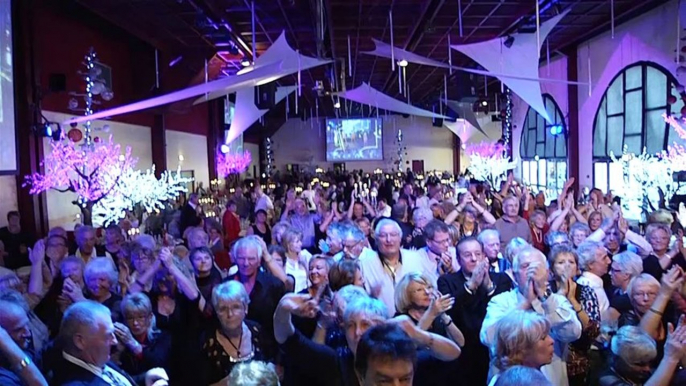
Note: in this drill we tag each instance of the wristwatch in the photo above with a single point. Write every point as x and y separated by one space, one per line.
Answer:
545 296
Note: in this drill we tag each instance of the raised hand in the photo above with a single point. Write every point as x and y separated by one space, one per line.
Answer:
37 253
672 280
675 346
440 304
166 257
304 306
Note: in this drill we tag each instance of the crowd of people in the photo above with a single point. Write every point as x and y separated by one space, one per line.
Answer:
408 282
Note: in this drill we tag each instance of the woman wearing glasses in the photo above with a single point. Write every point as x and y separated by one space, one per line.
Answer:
235 340
145 347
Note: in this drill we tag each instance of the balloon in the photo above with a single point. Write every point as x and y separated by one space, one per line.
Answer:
671 99
96 139
75 135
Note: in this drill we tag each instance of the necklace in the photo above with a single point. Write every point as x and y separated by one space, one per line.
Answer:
240 343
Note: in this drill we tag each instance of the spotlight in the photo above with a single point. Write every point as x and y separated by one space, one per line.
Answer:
51 130
245 62
484 103
402 63
224 148
337 105
556 130
509 41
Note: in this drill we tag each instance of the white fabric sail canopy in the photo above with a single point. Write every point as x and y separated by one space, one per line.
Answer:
368 95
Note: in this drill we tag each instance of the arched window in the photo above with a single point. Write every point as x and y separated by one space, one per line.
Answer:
630 117
543 149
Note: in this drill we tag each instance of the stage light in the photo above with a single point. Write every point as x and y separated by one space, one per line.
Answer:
402 63
337 105
224 148
484 103
245 62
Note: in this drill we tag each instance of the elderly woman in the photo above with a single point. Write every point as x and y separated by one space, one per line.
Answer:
662 256
345 272
236 339
145 347
253 373
632 353
521 338
297 259
578 232
539 228
564 267
417 298
278 230
650 305
420 217
101 277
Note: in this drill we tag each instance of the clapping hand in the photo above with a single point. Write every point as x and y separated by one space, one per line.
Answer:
672 279
304 306
440 304
477 276
37 253
165 256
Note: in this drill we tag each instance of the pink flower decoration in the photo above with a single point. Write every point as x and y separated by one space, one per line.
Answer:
232 163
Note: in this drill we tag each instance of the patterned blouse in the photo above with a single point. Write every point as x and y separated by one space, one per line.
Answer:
218 364
577 361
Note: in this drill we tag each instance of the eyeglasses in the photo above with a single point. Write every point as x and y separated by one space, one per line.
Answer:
249 259
231 310
351 245
649 295
444 241
393 235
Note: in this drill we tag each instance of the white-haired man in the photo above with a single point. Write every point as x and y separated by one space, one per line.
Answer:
384 270
530 268
87 337
594 264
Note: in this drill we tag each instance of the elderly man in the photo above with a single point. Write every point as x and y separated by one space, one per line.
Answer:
16 358
87 337
490 239
438 257
383 271
86 242
364 319
511 225
353 242
302 220
625 266
473 286
594 264
264 289
530 268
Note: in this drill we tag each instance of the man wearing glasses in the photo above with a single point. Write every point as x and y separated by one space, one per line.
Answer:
438 257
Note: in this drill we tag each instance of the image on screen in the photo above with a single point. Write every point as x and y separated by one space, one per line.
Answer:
354 139
8 154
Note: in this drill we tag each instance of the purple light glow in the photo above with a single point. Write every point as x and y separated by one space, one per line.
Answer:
232 163
487 150
91 174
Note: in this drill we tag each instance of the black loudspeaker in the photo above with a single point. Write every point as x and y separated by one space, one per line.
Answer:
437 122
467 87
57 82
265 95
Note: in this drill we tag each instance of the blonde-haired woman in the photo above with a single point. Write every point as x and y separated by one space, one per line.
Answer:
297 259
416 297
522 338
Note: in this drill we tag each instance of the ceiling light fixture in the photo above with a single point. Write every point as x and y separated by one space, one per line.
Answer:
402 63
245 62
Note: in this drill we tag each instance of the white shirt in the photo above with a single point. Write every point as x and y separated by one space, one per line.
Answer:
430 263
298 271
377 274
596 283
385 212
565 327
422 202
106 373
265 203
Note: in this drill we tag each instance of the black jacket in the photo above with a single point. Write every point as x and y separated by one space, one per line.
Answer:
69 374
